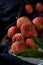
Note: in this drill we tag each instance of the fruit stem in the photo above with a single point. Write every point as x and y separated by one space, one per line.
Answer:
29 28
20 10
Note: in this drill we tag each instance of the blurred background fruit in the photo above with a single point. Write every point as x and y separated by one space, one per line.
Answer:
29 9
39 7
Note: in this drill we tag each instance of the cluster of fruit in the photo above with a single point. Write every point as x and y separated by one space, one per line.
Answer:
22 33
38 7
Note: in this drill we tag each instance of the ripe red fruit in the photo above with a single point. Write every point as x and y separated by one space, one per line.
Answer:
22 20
35 34
18 46
29 8
28 30
39 7
38 22
30 43
11 31
17 37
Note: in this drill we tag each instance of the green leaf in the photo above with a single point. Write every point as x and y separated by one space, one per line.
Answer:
31 53
39 42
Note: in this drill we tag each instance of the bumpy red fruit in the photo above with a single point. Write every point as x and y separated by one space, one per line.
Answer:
11 31
38 22
23 20
17 37
28 30
31 44
18 46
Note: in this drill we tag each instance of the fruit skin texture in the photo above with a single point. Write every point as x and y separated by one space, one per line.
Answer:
31 44
38 22
28 30
35 33
11 31
29 8
39 7
22 20
17 37
18 46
